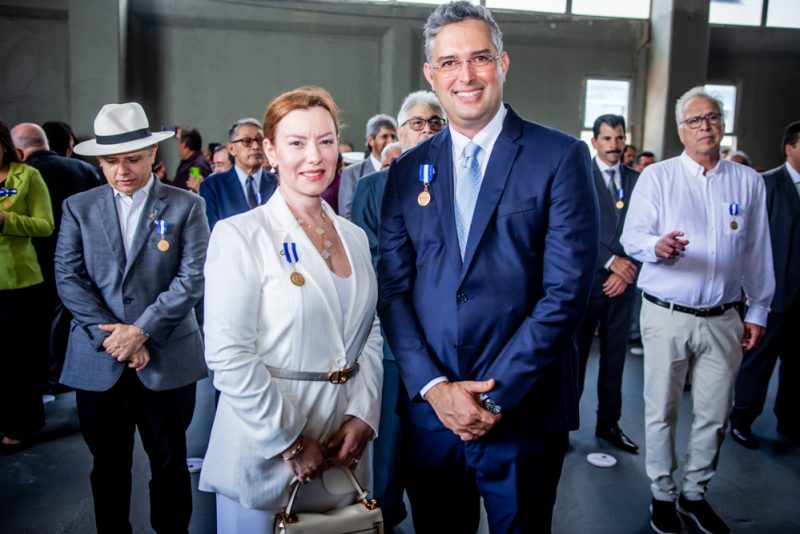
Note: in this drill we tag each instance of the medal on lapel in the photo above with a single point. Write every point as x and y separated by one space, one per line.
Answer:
733 210
620 199
163 244
7 192
290 253
426 173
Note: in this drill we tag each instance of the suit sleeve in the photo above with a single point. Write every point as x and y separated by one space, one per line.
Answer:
396 276
186 288
232 307
209 194
365 217
570 253
38 222
347 187
74 285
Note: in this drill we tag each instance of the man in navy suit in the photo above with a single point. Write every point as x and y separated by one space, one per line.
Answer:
783 207
613 292
246 185
487 248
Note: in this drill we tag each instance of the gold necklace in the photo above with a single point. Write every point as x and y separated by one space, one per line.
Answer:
327 244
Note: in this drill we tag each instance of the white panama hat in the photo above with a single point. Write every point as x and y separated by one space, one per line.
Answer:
120 128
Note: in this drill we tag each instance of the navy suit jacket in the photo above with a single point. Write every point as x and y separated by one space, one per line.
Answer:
224 196
783 206
611 222
508 311
367 208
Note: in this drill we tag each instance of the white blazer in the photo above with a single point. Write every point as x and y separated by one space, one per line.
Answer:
254 318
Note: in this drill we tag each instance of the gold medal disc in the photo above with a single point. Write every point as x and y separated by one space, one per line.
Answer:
297 279
734 225
163 245
7 203
424 198
620 204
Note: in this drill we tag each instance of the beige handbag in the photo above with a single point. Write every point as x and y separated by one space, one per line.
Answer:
363 516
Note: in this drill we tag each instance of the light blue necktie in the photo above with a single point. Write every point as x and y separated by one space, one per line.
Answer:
468 184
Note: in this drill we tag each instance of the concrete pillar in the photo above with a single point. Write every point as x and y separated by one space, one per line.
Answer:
97 42
400 53
678 61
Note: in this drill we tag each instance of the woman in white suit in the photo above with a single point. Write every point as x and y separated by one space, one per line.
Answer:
291 334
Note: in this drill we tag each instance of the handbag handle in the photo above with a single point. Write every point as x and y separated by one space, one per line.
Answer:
370 504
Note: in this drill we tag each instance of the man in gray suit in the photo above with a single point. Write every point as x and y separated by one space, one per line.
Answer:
129 267
381 130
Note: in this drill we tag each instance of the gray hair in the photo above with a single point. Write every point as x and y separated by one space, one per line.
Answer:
695 92
234 129
453 12
419 98
376 122
388 148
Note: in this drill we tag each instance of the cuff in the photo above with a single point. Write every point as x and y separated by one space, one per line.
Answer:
427 387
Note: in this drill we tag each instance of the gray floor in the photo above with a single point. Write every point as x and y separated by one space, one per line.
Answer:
45 488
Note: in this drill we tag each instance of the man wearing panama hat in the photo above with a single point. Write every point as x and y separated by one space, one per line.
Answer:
129 266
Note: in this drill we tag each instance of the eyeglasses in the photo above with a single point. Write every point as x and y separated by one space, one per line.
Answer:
248 141
713 119
418 124
480 63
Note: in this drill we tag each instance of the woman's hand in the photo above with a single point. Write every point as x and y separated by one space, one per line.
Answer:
309 462
347 445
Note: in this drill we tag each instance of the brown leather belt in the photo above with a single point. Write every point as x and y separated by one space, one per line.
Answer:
697 312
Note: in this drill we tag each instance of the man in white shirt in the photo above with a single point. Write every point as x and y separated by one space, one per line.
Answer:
698 224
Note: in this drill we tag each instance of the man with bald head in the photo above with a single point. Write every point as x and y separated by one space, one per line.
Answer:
64 177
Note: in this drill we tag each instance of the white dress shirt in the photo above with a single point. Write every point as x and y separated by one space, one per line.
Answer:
486 139
727 253
376 163
129 210
257 177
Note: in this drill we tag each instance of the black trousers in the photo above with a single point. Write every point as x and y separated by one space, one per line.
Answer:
780 340
613 317
517 476
23 360
108 421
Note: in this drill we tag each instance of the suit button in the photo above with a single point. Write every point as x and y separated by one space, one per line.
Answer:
127 300
461 298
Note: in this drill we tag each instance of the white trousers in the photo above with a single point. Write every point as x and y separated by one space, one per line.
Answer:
709 350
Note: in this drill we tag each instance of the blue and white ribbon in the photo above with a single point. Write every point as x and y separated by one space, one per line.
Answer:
426 173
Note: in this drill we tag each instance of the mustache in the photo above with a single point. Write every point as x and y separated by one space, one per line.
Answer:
614 151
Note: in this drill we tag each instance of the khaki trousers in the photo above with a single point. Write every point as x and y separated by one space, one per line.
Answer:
709 350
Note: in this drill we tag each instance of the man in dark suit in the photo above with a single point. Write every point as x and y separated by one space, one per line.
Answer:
381 130
194 166
613 291
487 248
64 177
129 266
783 206
245 185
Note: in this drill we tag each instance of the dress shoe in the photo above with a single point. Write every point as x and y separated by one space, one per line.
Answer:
703 516
744 437
615 436
663 517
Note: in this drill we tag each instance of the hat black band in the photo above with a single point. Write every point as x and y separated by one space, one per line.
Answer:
123 137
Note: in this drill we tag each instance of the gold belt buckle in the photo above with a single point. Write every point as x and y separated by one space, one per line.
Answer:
339 376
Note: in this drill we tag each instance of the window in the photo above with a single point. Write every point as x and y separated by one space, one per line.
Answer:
545 6
605 96
783 14
631 9
726 93
736 12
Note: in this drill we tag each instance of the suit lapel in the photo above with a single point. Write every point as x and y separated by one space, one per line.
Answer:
234 186
110 226
440 153
504 153
155 205
789 191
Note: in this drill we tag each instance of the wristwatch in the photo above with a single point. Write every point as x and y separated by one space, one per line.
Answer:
489 405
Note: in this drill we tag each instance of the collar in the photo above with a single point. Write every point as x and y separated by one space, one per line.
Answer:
485 138
603 167
793 173
376 163
144 190
243 176
695 169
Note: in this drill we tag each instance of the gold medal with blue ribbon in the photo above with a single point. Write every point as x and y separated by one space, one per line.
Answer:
733 210
426 173
620 199
163 244
290 253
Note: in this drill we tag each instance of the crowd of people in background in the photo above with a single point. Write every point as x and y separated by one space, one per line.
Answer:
672 260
